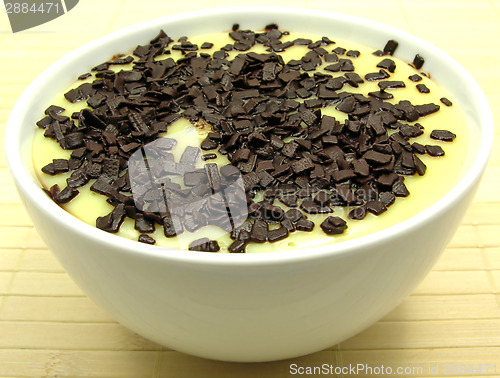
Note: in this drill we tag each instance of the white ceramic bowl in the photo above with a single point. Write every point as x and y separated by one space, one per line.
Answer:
250 307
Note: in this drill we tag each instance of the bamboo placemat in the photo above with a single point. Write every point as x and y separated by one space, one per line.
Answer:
48 327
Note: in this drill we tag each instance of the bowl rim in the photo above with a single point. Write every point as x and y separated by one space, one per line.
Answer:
39 199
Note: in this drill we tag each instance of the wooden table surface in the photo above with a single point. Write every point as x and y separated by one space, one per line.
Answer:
48 327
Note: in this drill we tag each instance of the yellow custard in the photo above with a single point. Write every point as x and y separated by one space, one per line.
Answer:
441 175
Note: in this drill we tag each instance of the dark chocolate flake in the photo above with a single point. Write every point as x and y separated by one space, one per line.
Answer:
288 225
208 157
190 156
339 50
73 95
389 84
322 198
418 148
143 224
354 79
246 226
208 144
289 200
74 164
204 245
49 169
387 179
353 53
426 109
357 213
445 101
74 140
390 47
380 75
399 189
172 226
60 165
376 158
343 175
345 194
84 76
443 135
66 195
77 179
112 221
415 77
361 167
102 185
409 131
333 225
376 207
250 180
302 41
304 225
237 246
420 167
272 213
289 149
381 95
422 88
330 58
293 215
311 207
277 234
387 64
229 171
44 122
347 105
265 179
387 198
259 231
53 111
434 150
418 61
111 168
145 238
333 67
302 165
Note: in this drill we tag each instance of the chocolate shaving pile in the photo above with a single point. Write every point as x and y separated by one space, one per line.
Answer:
265 115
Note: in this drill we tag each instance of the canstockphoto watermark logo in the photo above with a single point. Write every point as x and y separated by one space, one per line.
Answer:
26 14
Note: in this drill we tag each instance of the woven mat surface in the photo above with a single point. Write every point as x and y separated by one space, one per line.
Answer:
48 327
